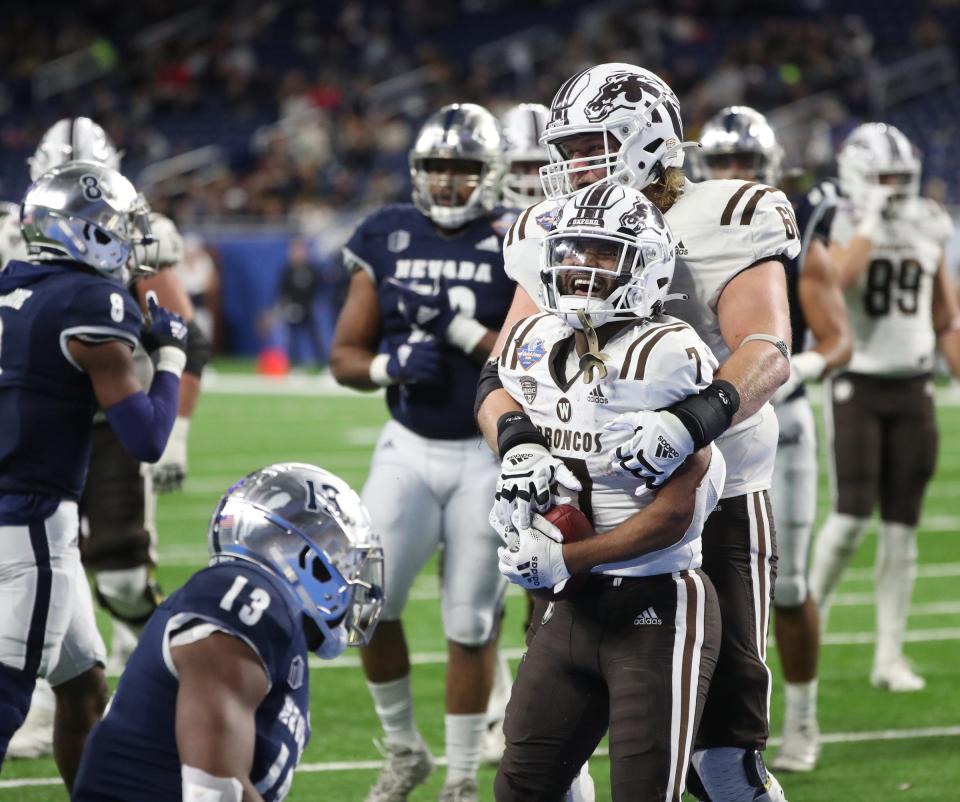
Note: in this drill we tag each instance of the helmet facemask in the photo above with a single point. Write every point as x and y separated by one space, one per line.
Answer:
601 275
448 194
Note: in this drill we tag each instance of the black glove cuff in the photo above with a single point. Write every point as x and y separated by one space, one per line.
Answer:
708 414
516 428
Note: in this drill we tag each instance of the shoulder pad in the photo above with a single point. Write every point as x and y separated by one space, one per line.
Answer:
527 343
101 310
664 347
245 601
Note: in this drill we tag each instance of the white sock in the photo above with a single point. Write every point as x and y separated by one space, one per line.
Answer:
896 570
836 543
464 735
802 701
393 702
500 693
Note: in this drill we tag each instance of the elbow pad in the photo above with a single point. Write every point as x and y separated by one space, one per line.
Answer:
708 414
198 350
488 382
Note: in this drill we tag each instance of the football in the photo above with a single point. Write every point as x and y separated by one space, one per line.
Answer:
575 527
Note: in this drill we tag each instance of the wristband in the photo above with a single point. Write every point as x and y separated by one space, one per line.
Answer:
708 414
809 365
465 333
171 359
378 371
516 428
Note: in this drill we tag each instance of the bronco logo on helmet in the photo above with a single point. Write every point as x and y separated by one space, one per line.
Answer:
626 90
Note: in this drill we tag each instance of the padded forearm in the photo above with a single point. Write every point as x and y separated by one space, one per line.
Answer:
143 422
488 382
708 414
516 428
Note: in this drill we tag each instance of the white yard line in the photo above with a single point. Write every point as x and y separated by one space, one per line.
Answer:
370 765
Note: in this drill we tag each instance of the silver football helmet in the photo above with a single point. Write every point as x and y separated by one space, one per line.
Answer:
455 164
73 139
876 153
167 249
638 116
740 137
523 155
86 212
310 529
610 256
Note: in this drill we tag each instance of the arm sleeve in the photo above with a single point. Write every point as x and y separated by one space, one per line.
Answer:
142 421
239 602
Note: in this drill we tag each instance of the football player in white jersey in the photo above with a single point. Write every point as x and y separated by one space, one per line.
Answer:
888 244
118 506
647 614
621 123
738 142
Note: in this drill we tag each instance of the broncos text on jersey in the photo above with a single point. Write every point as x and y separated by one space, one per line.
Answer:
652 364
398 242
132 753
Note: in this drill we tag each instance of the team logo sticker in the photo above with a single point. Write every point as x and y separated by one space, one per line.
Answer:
528 387
398 241
564 410
548 220
530 353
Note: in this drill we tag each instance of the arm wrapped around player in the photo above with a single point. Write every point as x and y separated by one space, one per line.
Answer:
528 473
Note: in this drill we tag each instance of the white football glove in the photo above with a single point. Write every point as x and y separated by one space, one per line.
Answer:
527 473
535 558
658 446
171 469
804 366
876 200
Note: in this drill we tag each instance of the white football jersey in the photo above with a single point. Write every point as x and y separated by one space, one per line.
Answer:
12 245
652 364
891 305
722 227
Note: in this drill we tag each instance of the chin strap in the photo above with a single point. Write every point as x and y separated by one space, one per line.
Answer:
594 358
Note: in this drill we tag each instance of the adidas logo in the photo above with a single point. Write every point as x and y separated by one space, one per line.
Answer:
681 250
596 396
491 244
647 618
530 571
665 450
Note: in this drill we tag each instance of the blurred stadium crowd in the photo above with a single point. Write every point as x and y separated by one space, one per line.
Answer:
297 116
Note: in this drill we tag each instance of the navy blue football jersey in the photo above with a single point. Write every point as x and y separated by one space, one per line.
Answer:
814 212
46 400
131 755
401 243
